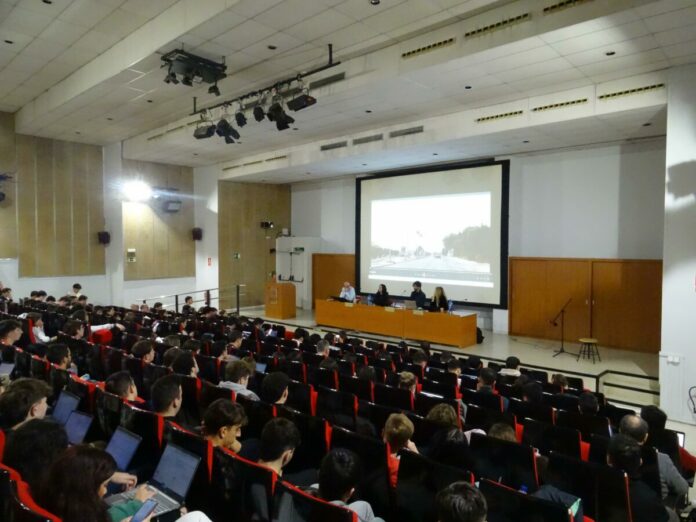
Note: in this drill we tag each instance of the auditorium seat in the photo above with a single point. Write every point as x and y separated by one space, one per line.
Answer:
507 505
393 397
301 397
511 463
485 400
547 438
588 425
313 432
108 408
363 389
338 407
293 504
210 392
209 368
424 403
150 427
537 411
258 413
419 480
198 497
444 389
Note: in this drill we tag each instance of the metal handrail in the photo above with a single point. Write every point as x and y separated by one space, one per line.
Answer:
207 297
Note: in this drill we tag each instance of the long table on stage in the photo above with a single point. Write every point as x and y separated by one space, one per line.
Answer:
420 325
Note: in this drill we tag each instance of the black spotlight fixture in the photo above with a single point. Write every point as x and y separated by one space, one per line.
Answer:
258 113
229 140
213 89
187 79
277 115
193 68
171 77
239 117
223 127
205 128
302 101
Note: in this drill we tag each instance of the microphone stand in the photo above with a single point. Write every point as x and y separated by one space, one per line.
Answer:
554 322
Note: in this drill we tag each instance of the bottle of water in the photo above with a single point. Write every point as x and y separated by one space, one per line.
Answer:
369 299
450 306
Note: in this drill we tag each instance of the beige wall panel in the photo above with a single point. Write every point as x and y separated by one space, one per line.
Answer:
26 206
80 211
62 203
45 191
95 191
8 208
242 206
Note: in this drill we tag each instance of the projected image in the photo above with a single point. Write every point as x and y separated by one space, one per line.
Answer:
442 239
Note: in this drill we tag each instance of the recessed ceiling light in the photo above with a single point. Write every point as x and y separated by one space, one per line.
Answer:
647 124
610 53
368 111
149 101
467 86
435 154
9 42
295 128
49 2
77 132
374 2
525 141
195 154
110 119
272 47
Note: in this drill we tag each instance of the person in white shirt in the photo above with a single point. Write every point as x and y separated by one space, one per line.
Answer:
76 290
237 375
347 292
512 367
38 328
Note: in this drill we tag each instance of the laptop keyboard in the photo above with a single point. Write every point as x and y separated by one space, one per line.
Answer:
164 503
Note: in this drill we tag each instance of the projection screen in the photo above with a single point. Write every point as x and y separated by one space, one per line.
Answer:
443 227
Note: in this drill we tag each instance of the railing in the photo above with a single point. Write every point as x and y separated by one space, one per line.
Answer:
207 297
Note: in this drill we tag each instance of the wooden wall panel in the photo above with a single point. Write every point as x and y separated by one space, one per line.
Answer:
616 301
162 241
59 208
242 206
8 207
329 271
627 304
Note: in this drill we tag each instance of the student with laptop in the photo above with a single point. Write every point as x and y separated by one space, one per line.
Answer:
23 400
75 485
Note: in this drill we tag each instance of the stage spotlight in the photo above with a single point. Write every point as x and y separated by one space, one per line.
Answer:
258 113
213 89
223 127
277 115
171 77
229 140
303 101
187 79
240 119
204 131
136 190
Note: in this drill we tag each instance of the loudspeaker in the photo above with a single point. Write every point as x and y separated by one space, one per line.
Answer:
104 238
197 234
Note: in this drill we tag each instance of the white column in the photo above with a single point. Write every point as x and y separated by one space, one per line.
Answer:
113 215
678 355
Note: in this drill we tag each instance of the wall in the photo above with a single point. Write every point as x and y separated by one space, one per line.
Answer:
326 209
678 358
242 206
205 183
603 202
8 207
162 240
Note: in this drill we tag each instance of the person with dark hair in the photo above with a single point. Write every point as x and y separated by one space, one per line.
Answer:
329 364
222 424
274 388
188 306
10 332
235 339
342 337
533 392
381 297
122 384
218 350
166 396
37 328
512 367
418 295
192 345
185 364
461 502
624 453
170 356
279 439
588 404
237 375
454 366
58 354
24 399
671 481
340 472
76 289
144 350
173 340
558 379
474 362
32 448
420 358
486 384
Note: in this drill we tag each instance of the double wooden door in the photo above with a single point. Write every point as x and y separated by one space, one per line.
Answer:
616 301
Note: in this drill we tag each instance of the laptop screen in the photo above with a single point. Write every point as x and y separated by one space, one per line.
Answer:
65 405
175 471
261 367
681 438
77 426
122 447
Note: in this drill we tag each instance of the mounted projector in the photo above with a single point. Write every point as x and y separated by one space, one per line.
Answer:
168 199
192 68
301 102
172 206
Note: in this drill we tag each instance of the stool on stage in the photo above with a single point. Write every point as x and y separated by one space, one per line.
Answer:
588 349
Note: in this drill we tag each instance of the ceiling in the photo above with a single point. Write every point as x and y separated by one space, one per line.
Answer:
52 41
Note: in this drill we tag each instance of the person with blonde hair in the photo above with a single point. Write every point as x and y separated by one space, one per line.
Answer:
397 433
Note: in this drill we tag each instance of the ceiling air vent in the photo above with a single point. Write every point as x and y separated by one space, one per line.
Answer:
559 105
276 158
336 145
629 92
499 25
501 116
231 168
427 48
257 162
406 132
368 139
323 82
558 6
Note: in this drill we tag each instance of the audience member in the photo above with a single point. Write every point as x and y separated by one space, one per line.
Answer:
588 404
397 433
122 384
512 367
646 506
24 399
461 502
279 440
173 340
167 396
170 356
237 374
222 424
339 474
367 373
408 381
58 354
185 364
323 348
502 431
274 389
10 332
144 350
533 392
37 328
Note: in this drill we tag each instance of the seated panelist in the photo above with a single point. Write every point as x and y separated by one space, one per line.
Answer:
438 302
347 292
381 297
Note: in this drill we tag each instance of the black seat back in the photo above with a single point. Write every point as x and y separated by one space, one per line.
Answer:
507 505
508 462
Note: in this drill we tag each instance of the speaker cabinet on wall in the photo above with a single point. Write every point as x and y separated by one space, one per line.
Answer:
197 234
104 238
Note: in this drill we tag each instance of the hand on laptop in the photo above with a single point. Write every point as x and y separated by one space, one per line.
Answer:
125 479
143 493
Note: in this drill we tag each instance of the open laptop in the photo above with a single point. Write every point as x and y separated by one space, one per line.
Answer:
171 481
260 367
77 426
66 404
122 447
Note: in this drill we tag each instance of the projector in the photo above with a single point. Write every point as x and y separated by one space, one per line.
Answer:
206 131
171 206
301 102
192 67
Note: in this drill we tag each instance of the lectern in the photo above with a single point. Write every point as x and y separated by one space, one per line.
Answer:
280 300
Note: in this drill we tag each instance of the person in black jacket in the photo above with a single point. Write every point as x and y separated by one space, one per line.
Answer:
438 302
418 295
381 297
